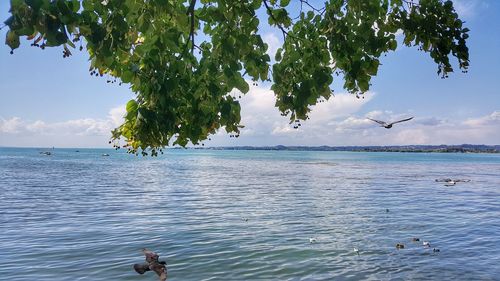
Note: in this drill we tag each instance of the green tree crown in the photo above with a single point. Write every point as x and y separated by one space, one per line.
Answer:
183 59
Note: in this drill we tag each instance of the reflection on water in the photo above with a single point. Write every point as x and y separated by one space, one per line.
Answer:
248 215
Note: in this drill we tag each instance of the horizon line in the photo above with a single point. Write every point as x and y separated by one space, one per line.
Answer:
258 146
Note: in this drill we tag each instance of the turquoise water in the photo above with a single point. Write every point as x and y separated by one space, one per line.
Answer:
248 215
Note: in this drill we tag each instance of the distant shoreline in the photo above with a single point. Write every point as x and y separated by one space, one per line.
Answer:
463 148
460 148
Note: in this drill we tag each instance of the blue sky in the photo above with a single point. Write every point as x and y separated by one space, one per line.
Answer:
46 100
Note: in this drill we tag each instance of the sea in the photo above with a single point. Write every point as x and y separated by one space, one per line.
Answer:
248 215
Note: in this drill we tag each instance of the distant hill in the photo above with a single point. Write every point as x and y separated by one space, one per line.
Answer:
462 148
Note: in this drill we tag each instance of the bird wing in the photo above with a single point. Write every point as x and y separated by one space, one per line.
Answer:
150 255
403 120
160 269
378 121
141 267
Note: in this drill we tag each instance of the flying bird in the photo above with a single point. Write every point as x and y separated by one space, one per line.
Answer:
152 263
389 125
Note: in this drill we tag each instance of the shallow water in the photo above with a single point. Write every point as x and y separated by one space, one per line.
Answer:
248 215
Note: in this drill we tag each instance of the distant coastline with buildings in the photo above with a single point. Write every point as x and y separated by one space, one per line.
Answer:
462 148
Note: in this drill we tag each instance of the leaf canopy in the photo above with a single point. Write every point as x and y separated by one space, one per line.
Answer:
183 59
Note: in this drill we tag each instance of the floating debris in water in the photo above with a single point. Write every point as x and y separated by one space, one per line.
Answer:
400 246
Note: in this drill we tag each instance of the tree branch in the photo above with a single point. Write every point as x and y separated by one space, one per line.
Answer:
272 16
319 11
190 12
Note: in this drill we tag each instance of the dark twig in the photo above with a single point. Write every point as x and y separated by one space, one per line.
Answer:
319 11
197 47
190 12
300 13
272 16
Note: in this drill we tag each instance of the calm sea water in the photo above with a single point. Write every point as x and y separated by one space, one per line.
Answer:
248 215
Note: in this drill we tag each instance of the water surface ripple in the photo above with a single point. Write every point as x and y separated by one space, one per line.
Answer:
248 215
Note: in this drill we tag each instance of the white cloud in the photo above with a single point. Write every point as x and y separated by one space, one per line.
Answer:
355 130
116 115
353 123
264 124
469 8
284 129
335 122
489 120
342 124
273 43
430 121
338 106
10 126
78 132
412 136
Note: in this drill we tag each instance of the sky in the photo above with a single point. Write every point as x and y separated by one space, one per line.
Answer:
47 100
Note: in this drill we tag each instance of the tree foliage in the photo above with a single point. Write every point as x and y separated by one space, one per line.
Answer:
183 58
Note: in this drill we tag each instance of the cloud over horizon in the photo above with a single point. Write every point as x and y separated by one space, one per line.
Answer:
84 132
338 121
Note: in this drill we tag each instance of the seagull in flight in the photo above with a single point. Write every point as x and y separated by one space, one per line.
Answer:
389 125
152 263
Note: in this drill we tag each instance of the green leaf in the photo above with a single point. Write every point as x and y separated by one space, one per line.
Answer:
127 76
131 106
363 84
277 56
12 40
284 3
393 45
241 85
